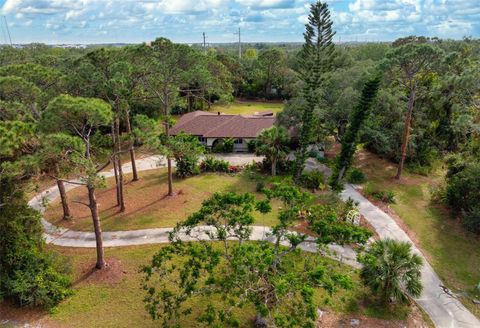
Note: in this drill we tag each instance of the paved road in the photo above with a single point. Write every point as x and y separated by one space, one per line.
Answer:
445 311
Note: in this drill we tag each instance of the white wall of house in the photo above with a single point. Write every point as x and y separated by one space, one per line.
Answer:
237 146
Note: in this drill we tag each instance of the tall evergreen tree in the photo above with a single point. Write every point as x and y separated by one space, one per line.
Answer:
411 62
349 142
315 59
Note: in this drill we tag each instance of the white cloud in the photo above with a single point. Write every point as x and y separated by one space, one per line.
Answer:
260 19
267 3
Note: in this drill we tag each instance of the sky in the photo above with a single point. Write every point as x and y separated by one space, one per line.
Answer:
134 21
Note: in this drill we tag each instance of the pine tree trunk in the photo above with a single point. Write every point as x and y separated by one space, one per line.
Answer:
406 130
170 177
119 166
115 171
169 166
97 227
63 198
167 133
132 148
114 162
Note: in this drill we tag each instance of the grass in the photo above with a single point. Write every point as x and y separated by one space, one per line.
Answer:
120 303
248 107
452 252
147 205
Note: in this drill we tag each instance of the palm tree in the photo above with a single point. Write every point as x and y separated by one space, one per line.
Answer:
391 270
271 143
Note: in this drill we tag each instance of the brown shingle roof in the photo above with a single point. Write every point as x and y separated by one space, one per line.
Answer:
222 126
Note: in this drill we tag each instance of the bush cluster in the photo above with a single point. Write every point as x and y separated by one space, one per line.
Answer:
283 166
462 192
186 166
211 164
356 176
313 180
387 196
28 274
224 146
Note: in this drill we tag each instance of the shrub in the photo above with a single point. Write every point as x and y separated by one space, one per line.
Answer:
419 169
283 166
211 164
381 195
330 227
312 180
233 169
463 187
218 148
228 145
251 145
356 176
463 192
223 146
471 219
260 186
28 274
186 166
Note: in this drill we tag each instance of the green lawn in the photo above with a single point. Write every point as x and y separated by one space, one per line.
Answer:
119 303
454 254
147 205
248 107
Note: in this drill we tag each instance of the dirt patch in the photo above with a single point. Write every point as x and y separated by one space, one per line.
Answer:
334 320
113 273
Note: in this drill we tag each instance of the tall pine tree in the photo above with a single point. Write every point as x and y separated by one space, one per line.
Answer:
315 59
349 141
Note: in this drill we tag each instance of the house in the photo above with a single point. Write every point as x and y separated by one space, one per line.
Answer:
212 128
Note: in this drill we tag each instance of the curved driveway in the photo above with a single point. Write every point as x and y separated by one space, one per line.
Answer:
445 310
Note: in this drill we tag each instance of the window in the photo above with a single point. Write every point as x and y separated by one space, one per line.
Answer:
238 141
202 139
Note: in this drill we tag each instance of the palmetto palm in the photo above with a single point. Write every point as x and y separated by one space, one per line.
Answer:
391 270
271 143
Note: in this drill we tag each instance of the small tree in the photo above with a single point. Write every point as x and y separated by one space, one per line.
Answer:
349 142
273 278
272 144
186 150
391 270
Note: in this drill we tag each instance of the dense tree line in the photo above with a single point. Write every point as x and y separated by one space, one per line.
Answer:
68 114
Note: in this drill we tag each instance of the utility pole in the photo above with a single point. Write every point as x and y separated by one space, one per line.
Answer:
8 30
239 44
204 44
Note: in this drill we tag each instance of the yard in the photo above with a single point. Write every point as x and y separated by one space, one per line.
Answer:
248 107
453 253
147 205
114 298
